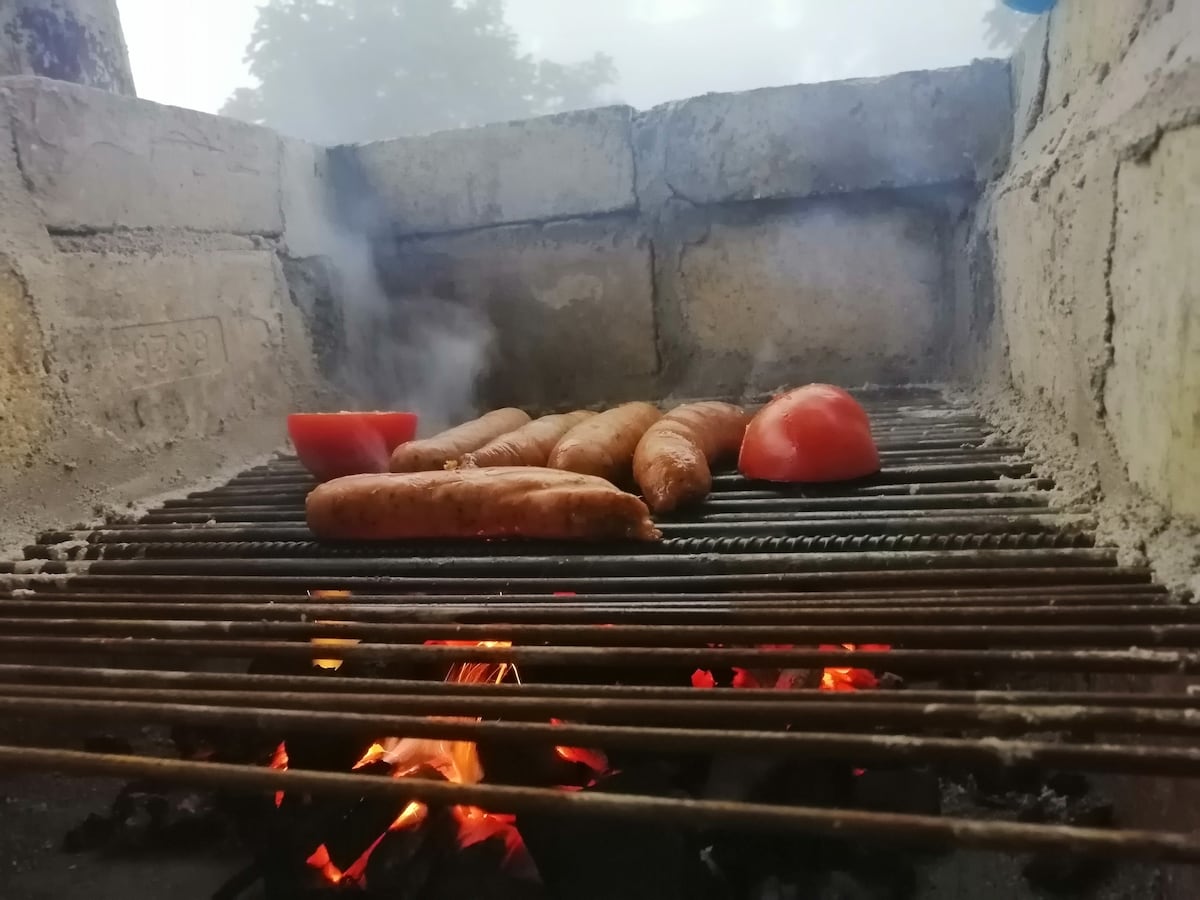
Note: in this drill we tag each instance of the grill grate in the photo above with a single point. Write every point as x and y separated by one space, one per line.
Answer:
955 555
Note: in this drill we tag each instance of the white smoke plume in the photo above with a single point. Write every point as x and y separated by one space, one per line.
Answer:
413 352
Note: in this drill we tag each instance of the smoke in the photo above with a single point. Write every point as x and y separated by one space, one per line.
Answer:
409 351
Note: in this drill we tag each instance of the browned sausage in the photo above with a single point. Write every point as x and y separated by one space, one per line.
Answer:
529 445
604 444
433 453
672 460
508 501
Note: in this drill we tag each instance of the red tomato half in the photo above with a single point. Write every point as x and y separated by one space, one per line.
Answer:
815 433
349 443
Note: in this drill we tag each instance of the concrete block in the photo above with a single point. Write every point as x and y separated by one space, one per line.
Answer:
1153 390
98 161
1052 241
1086 41
157 347
1029 78
69 40
917 128
23 401
555 167
570 303
831 291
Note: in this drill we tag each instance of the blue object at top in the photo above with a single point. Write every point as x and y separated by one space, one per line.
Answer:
1030 6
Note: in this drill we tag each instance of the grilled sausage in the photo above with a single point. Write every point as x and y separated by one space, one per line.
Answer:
509 501
433 453
529 445
672 461
604 444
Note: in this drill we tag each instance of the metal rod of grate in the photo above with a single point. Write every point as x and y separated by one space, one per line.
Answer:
953 561
929 830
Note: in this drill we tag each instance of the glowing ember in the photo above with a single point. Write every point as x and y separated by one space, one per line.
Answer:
331 665
593 759
832 679
848 679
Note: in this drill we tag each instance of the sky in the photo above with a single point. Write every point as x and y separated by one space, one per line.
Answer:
663 49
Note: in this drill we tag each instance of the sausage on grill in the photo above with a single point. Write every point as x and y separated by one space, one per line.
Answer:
506 501
604 444
672 463
433 453
529 445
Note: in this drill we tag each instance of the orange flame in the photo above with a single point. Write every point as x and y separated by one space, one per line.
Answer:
331 665
458 761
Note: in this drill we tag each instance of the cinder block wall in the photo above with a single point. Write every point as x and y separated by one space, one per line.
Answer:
148 331
714 245
1081 282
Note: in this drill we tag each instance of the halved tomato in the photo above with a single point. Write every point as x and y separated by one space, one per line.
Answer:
331 445
815 433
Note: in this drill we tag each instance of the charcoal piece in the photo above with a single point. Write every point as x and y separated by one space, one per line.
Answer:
92 833
1001 788
478 872
1070 873
350 834
522 766
406 861
335 752
107 743
591 859
913 791
841 885
1067 873
887 872
744 858
1069 784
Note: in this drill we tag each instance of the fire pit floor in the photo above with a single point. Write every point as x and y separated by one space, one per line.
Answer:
838 691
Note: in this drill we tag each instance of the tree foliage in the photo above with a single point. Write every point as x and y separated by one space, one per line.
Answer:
1005 27
340 71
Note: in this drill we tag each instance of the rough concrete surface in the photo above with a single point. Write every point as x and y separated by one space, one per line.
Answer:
748 300
1153 390
913 129
555 167
154 347
159 367
1029 78
1095 282
94 160
571 303
70 40
1086 41
1051 245
23 402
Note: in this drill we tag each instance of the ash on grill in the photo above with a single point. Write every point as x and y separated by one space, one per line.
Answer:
638 721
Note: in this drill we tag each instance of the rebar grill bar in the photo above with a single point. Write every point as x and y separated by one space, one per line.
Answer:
955 557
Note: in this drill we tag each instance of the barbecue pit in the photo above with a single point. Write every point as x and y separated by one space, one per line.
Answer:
971 673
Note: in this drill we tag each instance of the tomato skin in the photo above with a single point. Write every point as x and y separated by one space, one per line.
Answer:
331 445
815 433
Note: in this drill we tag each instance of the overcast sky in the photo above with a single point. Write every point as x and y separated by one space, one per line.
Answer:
664 49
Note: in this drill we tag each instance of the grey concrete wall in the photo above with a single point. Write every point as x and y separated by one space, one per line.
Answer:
722 243
80 41
1095 311
149 333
